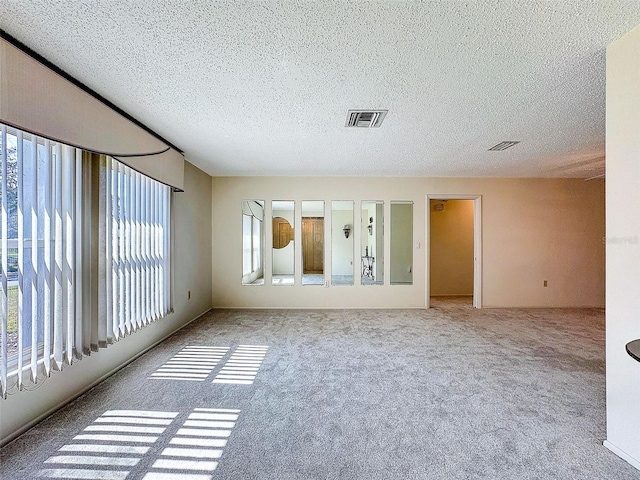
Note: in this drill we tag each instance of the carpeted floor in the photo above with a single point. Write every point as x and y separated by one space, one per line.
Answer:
445 393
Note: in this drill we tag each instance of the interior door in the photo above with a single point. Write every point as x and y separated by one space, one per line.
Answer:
282 232
313 245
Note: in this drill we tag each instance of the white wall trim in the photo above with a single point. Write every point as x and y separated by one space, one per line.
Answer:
625 456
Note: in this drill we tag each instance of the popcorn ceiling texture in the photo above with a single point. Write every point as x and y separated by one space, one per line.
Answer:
263 88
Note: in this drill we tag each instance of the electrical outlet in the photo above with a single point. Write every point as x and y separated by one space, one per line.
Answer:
545 283
326 284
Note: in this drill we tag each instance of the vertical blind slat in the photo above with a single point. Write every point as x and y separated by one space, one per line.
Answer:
135 264
103 254
121 229
139 288
152 246
68 236
4 250
20 186
166 222
158 216
112 254
143 254
47 276
77 260
127 252
58 324
156 280
148 250
106 218
35 248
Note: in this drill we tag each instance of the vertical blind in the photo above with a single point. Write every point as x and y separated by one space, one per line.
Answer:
46 243
134 257
40 201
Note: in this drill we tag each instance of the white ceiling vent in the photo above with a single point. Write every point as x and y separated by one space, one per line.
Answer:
502 146
365 118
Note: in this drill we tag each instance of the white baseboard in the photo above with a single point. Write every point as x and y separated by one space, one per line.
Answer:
623 455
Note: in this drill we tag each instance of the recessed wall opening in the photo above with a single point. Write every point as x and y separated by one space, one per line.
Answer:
453 249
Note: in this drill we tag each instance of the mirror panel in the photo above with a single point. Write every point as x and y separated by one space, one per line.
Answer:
342 236
312 242
252 242
283 234
372 242
401 239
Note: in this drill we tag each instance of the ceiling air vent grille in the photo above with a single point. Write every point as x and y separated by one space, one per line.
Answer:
365 118
502 146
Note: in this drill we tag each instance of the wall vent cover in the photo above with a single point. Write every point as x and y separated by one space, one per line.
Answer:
503 146
365 118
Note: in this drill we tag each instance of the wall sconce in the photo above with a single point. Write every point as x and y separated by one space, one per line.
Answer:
370 226
347 231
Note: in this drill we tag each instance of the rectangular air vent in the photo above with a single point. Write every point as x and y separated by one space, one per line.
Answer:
502 146
365 118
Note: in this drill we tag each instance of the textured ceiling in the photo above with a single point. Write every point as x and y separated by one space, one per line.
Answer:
263 88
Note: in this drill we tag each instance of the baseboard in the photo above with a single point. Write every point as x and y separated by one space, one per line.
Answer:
623 455
12 436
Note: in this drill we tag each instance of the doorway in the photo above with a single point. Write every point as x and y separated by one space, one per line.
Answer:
312 245
459 279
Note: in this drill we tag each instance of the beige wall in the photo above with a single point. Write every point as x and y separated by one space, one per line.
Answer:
192 272
623 245
341 247
451 248
532 230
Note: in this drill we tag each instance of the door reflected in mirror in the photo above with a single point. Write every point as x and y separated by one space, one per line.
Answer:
372 242
283 259
253 242
401 239
312 242
342 235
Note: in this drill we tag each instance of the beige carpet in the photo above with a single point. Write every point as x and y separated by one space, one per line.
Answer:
445 393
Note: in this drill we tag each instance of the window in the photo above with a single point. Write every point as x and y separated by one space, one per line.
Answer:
48 247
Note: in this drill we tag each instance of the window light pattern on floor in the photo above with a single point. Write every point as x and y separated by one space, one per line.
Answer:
194 363
120 445
195 448
243 365
110 447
